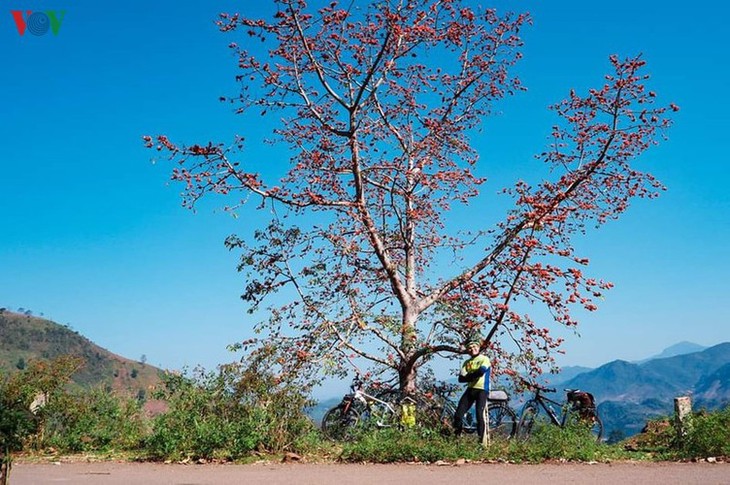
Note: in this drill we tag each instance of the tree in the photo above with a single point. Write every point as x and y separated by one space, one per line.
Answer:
18 391
377 109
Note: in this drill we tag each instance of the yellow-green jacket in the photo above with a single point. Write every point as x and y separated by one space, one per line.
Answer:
475 372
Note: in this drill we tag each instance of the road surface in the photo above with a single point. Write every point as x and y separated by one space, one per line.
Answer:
115 473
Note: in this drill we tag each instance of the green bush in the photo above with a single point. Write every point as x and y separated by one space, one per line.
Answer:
201 422
228 414
708 435
92 420
548 442
17 392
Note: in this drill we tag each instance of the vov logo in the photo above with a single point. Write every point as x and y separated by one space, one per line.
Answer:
38 23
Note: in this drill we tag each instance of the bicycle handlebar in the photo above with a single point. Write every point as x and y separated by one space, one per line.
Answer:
535 386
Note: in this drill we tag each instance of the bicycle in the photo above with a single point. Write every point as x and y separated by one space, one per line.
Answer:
432 408
502 419
356 406
579 407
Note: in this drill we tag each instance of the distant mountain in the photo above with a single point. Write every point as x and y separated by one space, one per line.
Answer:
630 393
629 418
686 370
565 374
677 349
713 390
622 381
24 338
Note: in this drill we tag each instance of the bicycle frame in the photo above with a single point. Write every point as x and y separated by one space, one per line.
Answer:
543 401
370 402
587 415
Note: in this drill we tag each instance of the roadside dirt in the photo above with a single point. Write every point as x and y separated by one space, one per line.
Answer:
114 473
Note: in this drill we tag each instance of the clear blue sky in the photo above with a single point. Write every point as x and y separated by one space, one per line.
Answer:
91 234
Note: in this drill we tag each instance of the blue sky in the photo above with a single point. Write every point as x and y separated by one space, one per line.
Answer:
92 235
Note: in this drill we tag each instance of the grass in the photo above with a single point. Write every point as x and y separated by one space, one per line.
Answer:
547 443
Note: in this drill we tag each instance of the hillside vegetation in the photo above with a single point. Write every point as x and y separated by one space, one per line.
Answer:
24 338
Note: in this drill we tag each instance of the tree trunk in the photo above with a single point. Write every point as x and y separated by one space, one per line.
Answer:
407 369
407 379
4 466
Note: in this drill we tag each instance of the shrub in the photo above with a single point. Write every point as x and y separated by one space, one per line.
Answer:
708 435
228 414
574 442
17 392
92 420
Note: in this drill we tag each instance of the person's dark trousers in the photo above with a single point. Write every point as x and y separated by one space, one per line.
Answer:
469 397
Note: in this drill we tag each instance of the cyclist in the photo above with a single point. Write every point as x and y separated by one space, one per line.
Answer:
475 373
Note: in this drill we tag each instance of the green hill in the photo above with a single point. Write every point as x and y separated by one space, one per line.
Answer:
24 338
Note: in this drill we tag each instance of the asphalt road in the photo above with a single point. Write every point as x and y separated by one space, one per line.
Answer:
112 473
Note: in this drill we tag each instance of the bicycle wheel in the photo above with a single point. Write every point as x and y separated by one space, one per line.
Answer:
381 415
597 427
502 420
587 418
468 422
527 420
429 412
339 422
595 423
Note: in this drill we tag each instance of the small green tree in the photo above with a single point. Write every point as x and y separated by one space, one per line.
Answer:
17 392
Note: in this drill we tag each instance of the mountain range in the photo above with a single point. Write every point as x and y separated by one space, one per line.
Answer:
630 393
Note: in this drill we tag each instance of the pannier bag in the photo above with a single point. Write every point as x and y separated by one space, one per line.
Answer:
583 402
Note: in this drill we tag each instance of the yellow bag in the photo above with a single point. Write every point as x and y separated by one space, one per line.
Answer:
408 414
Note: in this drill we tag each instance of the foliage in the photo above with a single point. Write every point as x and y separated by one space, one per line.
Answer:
225 414
16 424
92 420
393 445
19 390
17 393
378 106
40 377
228 414
546 443
708 435
573 442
